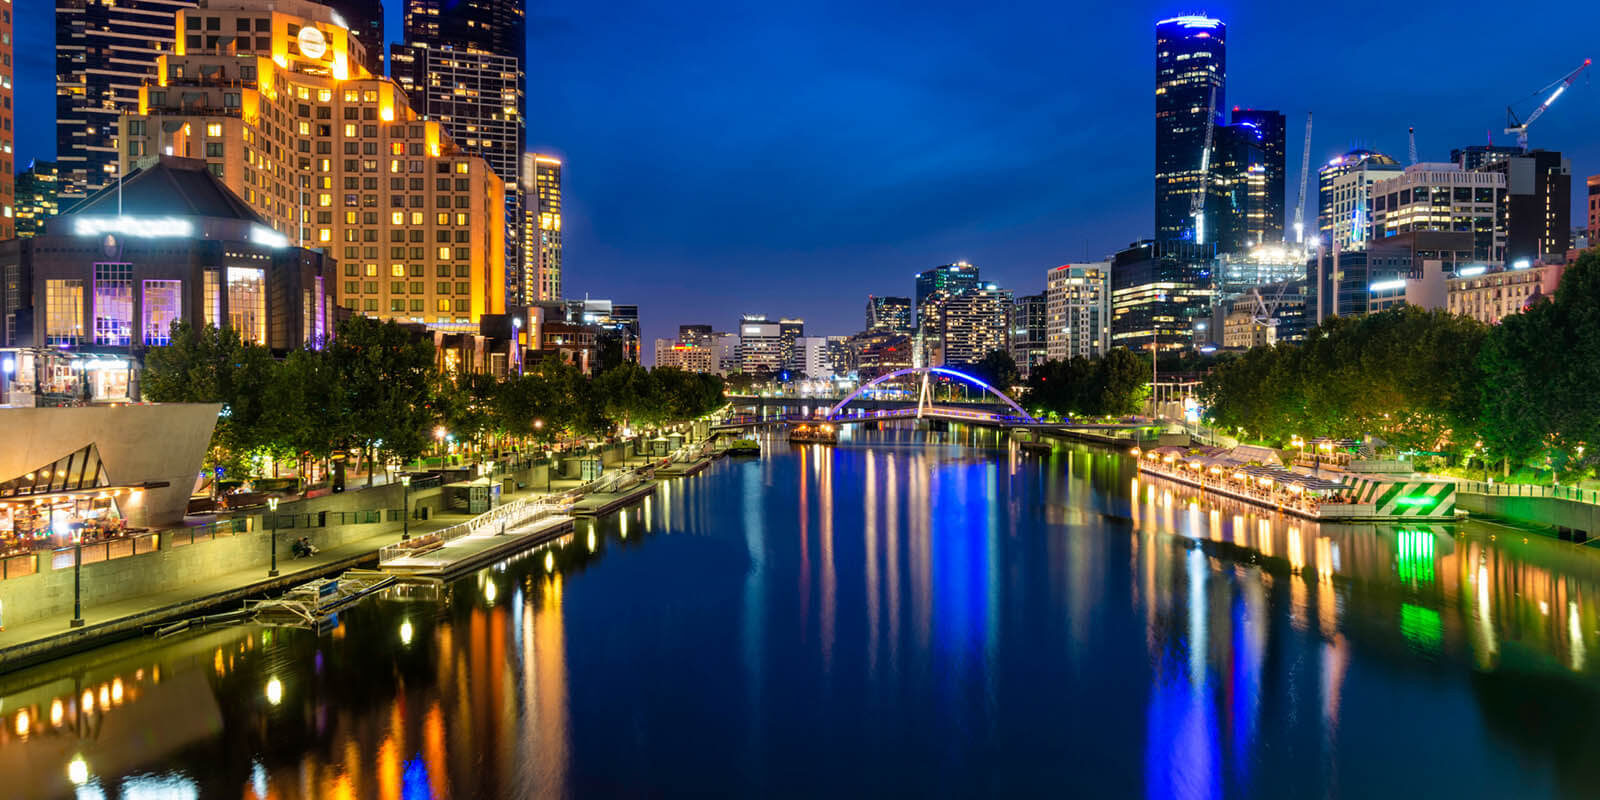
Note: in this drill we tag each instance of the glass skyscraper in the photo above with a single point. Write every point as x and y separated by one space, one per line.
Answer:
1191 61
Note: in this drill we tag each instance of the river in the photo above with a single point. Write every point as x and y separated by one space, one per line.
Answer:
904 613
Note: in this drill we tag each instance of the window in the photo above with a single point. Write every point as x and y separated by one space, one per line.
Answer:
113 304
444 305
247 303
163 305
213 129
444 254
63 311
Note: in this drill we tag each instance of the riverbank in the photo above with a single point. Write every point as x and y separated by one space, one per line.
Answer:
244 561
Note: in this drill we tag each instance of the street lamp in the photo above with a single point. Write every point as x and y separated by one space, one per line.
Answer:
272 506
77 580
516 341
405 514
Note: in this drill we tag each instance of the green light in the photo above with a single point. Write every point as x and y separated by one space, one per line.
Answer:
1414 556
1414 501
1421 626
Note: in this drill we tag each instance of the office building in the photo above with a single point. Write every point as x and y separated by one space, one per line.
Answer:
487 26
878 353
36 197
1078 305
108 279
1479 155
810 357
1265 315
478 98
976 322
1268 264
888 314
840 361
1535 213
946 280
1235 214
790 331
761 349
1442 197
725 356
695 335
687 357
1157 291
616 323
1030 322
1191 75
364 19
104 53
331 157
1491 295
1339 283
541 228
1344 197
1264 223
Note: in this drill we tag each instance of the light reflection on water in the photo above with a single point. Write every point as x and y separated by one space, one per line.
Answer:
919 618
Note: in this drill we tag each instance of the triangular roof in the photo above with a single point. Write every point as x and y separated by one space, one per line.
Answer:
169 186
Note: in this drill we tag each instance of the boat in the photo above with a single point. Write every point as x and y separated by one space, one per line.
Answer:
814 433
744 447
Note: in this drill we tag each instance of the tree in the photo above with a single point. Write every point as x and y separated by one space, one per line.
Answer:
211 365
627 395
386 374
998 369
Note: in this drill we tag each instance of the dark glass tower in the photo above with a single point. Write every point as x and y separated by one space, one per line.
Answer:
1266 130
489 26
364 19
1191 60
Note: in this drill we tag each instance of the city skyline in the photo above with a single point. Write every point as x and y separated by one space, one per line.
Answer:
1007 189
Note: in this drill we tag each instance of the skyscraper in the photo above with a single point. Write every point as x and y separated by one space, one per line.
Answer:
976 322
462 64
789 332
1344 196
104 53
1536 210
892 314
1191 62
695 335
364 18
1078 305
1264 218
1030 323
1158 289
948 280
540 277
36 197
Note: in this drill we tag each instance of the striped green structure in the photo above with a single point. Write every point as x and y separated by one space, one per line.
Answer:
1407 499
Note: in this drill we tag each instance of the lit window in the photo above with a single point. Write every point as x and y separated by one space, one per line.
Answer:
324 95
214 129
324 235
416 218
461 167
444 253
398 218
350 128
397 270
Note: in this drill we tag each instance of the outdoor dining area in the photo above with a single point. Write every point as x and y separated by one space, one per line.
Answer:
1230 473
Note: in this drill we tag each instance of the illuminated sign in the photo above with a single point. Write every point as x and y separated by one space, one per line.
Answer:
1468 272
1194 22
312 45
267 237
140 227
1387 286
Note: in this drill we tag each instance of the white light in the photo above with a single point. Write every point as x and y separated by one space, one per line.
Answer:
405 632
78 771
267 237
1521 263
274 691
312 45
1469 272
141 227
1387 286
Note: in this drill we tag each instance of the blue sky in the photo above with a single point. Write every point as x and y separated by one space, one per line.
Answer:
790 158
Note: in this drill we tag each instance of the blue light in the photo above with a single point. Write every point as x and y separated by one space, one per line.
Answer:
1193 22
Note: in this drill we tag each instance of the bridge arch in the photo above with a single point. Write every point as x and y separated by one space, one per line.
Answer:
926 372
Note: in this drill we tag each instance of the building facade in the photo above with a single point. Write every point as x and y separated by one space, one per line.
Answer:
1594 209
1442 197
36 197
331 157
104 53
976 322
888 314
541 228
109 279
1191 77
945 281
695 335
364 18
1078 306
687 357
1030 322
478 98
1158 289
761 347
1264 217
1535 212
8 136
1344 197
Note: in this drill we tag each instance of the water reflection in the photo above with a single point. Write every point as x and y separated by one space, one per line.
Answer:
918 616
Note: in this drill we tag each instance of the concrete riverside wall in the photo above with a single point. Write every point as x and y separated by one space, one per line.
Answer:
356 497
1568 514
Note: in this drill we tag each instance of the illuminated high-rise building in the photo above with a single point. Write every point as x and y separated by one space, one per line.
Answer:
1264 215
331 156
36 197
1191 64
540 276
1344 197
364 19
976 322
942 281
1078 311
104 52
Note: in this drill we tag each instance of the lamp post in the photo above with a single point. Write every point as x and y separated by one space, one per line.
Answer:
272 506
77 580
405 515
516 341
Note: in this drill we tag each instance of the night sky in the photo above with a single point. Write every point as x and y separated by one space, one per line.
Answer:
790 158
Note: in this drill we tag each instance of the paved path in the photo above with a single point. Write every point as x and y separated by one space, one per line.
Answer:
474 548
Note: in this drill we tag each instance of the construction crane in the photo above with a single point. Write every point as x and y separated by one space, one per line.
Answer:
1305 170
1264 311
1412 132
1520 127
1197 202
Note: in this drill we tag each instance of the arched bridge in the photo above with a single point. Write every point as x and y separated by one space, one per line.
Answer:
925 406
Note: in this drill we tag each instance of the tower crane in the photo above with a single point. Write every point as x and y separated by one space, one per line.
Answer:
1305 169
1520 128
1197 202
